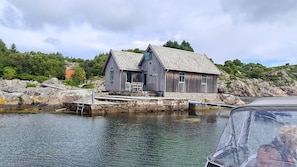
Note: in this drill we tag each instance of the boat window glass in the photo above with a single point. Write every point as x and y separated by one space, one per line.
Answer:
246 131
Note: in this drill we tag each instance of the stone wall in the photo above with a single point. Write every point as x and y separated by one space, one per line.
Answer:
135 106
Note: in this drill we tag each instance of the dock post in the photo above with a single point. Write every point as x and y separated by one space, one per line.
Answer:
93 97
192 110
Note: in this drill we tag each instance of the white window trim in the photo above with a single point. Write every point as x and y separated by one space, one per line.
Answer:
203 77
111 77
182 75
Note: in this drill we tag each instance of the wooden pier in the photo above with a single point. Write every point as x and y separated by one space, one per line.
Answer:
193 106
212 104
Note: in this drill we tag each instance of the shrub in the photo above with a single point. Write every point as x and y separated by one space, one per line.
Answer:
70 82
9 73
89 86
40 78
228 84
25 76
31 85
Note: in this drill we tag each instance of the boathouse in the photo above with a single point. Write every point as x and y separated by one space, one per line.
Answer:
173 72
121 71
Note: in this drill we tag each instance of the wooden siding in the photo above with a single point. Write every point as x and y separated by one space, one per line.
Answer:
136 77
155 74
192 83
120 77
115 84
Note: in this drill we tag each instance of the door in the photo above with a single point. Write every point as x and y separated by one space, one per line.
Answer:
144 81
129 76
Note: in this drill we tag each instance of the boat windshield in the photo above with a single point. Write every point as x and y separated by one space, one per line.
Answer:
247 131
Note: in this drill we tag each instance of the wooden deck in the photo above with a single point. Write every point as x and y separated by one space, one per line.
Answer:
212 104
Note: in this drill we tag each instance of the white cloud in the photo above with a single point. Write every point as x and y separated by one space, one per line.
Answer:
223 29
284 11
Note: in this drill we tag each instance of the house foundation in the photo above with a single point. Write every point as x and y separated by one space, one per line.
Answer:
105 106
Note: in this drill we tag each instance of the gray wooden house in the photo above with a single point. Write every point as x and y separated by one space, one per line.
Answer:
122 71
172 70
160 69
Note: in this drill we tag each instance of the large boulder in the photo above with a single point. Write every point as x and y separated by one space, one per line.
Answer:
231 99
52 81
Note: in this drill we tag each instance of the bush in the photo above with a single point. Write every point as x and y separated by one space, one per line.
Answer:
9 73
89 86
31 85
40 79
70 82
228 84
25 76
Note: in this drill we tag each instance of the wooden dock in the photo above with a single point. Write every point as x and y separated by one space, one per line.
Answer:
212 104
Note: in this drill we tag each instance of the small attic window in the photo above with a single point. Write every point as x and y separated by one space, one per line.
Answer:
148 55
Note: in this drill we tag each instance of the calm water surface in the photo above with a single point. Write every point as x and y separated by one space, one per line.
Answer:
120 140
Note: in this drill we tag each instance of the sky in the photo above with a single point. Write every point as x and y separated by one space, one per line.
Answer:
253 31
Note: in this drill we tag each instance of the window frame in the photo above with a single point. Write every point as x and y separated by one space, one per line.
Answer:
148 56
111 77
204 79
182 77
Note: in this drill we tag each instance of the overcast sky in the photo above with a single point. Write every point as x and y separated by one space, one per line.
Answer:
258 31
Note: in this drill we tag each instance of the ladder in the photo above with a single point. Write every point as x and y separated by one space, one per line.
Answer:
80 107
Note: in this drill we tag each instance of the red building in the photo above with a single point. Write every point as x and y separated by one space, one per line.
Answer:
68 74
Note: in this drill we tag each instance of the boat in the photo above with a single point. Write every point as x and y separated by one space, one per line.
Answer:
254 126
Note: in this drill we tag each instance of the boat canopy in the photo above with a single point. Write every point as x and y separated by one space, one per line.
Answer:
253 126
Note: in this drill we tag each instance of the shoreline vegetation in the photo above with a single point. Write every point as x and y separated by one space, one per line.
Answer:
50 95
36 81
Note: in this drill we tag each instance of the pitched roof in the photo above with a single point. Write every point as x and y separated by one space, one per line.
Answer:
126 60
180 60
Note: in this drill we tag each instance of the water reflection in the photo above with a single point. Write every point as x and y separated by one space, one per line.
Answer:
117 140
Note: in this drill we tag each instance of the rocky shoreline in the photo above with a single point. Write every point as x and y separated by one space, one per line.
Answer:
22 96
253 87
32 97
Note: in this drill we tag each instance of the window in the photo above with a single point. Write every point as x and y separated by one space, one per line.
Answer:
181 77
204 80
129 76
111 75
148 56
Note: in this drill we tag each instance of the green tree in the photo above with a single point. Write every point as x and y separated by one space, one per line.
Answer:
253 70
183 46
13 48
9 73
94 67
172 44
237 62
186 46
136 50
79 75
3 48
